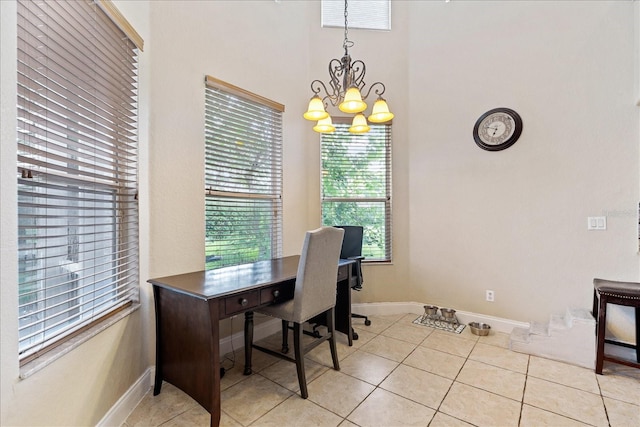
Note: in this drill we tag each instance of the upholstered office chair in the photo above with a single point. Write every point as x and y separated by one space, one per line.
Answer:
352 249
315 293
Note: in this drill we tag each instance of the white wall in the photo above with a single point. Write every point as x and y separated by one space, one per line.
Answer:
515 221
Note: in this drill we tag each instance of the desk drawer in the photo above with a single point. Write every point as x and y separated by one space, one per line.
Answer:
241 302
277 293
343 272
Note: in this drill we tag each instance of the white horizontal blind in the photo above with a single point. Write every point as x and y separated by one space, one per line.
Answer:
356 184
363 14
77 170
243 177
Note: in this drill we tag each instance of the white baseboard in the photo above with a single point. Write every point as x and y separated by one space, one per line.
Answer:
497 324
118 414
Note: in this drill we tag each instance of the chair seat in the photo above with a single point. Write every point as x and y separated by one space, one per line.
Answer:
628 290
282 311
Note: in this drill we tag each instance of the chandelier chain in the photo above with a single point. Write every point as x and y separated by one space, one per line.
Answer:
347 43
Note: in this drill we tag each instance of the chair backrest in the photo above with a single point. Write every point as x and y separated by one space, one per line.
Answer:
352 242
315 290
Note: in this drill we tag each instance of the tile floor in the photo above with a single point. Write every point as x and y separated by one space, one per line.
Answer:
402 374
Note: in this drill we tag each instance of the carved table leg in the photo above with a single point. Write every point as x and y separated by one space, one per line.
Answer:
248 341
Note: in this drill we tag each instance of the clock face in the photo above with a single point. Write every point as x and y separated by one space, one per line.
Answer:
497 129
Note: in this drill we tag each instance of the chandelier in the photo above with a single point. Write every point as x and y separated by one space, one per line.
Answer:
344 91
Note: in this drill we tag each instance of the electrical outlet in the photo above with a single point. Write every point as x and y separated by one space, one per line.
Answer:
489 295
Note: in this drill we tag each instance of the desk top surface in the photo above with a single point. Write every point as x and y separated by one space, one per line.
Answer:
219 282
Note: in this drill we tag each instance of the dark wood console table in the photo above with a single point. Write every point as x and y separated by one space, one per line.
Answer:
189 307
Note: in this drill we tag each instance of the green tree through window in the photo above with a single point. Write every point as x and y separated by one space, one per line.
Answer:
243 176
356 185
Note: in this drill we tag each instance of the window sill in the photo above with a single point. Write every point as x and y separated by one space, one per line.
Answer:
48 358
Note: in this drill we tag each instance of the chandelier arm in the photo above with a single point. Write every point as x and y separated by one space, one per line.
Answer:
379 89
317 87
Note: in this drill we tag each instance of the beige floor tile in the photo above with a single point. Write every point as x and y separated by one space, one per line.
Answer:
367 367
500 357
259 360
285 373
555 394
434 361
499 339
322 353
225 421
466 334
444 420
338 392
389 348
233 375
155 410
566 401
618 369
622 414
408 332
480 407
536 417
387 317
417 385
250 399
491 378
198 416
620 387
364 336
563 373
383 408
298 412
378 324
449 343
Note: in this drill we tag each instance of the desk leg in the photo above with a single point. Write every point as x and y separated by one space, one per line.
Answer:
343 310
158 380
248 341
214 363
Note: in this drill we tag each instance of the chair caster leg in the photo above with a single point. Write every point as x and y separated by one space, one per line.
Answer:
367 322
354 335
285 349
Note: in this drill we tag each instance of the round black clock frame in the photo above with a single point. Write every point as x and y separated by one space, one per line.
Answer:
501 115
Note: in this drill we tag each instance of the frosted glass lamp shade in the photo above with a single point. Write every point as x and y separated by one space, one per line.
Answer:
353 102
324 126
380 113
316 110
359 124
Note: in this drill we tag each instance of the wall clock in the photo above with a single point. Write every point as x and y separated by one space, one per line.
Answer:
497 129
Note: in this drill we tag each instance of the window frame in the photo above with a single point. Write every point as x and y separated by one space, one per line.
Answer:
262 139
362 14
77 171
342 124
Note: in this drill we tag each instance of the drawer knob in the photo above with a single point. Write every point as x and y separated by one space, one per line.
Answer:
244 301
276 293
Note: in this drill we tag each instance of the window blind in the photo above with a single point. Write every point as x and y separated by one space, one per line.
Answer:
356 184
243 176
77 170
363 14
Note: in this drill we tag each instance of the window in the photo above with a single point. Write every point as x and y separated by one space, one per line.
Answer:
77 170
363 14
356 184
243 176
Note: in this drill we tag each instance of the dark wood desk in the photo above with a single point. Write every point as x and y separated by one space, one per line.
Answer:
189 307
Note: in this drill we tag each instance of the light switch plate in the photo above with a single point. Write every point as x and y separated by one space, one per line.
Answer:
597 223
